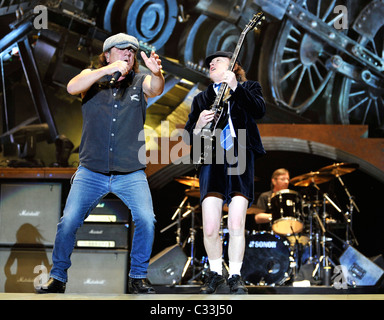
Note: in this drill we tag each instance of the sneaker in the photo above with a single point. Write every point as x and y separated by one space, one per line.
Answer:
212 282
237 285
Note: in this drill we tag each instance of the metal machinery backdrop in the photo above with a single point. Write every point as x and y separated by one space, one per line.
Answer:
302 56
318 61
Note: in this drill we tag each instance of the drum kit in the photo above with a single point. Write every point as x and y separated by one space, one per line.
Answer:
299 235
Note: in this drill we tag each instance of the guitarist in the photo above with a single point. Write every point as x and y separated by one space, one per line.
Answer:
217 187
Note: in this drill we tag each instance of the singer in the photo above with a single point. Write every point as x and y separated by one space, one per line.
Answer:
108 154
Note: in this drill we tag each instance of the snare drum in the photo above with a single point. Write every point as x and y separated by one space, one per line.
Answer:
266 259
286 212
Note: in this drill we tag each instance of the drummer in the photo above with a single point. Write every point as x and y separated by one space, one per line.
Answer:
279 181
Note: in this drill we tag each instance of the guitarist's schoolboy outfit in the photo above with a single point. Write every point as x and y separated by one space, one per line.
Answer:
244 145
246 104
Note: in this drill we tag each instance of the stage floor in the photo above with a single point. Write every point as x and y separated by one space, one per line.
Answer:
191 292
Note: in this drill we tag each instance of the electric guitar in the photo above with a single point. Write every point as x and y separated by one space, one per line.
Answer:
220 105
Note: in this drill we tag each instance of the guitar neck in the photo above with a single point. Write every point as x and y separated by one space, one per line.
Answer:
224 86
256 20
237 51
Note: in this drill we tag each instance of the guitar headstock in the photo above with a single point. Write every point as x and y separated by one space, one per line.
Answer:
255 21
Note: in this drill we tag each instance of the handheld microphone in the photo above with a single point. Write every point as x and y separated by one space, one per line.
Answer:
115 77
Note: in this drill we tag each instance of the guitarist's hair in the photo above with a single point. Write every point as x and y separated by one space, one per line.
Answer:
240 73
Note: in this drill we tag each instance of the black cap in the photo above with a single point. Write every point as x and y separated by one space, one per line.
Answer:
226 54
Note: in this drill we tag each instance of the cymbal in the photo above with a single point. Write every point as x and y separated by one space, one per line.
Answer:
307 179
194 193
254 210
251 210
188 181
338 169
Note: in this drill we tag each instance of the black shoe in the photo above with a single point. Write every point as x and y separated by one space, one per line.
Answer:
140 286
237 285
212 283
52 286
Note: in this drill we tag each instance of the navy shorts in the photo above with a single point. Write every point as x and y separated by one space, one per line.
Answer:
228 180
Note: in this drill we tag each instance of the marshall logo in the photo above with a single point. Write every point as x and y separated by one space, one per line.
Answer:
94 282
92 231
26 213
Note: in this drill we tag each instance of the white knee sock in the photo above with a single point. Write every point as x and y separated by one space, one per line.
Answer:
216 265
234 268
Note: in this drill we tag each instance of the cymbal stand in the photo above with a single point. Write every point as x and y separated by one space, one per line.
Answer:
348 215
177 222
315 217
178 213
310 218
323 267
191 239
325 195
313 213
324 258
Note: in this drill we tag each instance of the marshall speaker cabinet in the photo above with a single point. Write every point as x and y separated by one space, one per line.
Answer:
92 271
29 213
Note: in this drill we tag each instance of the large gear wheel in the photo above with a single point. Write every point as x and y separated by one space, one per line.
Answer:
362 102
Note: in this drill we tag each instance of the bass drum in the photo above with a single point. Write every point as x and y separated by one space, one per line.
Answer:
267 259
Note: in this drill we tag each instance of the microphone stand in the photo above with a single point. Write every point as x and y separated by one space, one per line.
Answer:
348 215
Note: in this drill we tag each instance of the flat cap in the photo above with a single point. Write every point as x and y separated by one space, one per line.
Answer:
120 41
226 54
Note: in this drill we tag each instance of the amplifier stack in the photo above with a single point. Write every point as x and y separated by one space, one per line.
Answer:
29 214
107 226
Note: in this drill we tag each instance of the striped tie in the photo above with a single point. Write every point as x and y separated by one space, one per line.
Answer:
226 140
225 136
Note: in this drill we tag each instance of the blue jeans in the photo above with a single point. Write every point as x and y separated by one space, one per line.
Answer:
87 189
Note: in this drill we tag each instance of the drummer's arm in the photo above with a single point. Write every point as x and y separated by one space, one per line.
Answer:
263 218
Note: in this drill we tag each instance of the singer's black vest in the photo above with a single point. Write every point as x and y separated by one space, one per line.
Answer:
113 126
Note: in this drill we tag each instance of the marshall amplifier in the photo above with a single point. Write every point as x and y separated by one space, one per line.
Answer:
103 235
29 213
98 271
110 210
22 268
92 271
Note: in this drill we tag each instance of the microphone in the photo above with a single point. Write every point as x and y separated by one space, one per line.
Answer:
115 77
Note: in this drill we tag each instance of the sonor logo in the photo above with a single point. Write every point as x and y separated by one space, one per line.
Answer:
262 244
94 282
26 213
95 231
